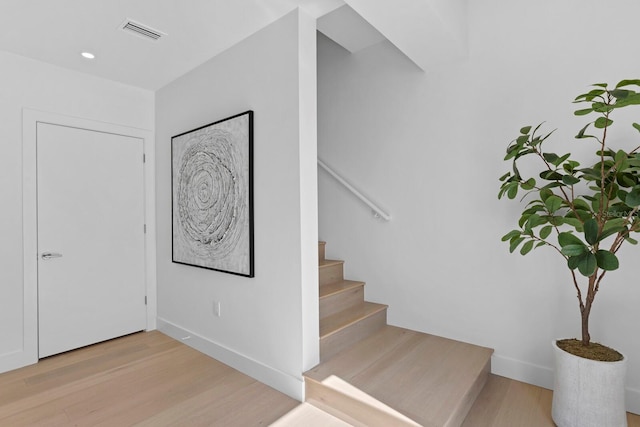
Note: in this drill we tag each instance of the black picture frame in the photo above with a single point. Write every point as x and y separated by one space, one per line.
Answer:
212 196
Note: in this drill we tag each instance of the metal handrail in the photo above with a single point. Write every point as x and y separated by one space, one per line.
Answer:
377 212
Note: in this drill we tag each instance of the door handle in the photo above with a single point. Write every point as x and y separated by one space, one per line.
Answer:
50 255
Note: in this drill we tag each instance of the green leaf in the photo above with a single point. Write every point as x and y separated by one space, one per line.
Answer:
512 191
510 235
523 219
533 209
620 93
553 185
583 112
591 231
626 180
528 184
583 215
602 122
535 220
624 83
545 193
526 248
555 220
637 126
573 250
601 107
581 134
611 232
632 99
515 242
630 240
545 231
607 260
573 261
567 238
614 223
570 180
553 203
633 198
622 160
575 223
525 130
587 264
590 173
512 151
562 159
581 204
550 175
604 85
550 157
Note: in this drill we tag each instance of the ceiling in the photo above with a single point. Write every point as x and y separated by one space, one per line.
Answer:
57 31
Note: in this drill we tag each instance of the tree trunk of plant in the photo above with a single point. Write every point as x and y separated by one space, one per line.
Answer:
585 310
586 338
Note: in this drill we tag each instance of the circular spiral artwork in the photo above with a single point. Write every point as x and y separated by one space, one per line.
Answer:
211 200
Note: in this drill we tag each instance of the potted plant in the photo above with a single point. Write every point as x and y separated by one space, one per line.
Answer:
585 214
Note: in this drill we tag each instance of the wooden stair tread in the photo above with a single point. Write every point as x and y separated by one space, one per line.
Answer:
430 379
337 287
330 262
346 318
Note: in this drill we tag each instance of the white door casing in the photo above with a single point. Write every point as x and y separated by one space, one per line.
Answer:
90 237
28 353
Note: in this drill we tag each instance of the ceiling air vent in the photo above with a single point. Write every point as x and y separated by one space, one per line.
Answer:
140 30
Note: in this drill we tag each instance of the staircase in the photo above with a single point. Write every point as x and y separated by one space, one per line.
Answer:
345 317
375 374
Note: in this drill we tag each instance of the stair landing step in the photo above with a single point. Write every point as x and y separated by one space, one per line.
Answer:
339 321
430 379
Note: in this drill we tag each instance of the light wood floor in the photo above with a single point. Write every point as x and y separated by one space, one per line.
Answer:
149 379
145 379
508 403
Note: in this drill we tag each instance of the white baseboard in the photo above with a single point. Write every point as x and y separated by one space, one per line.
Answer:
542 376
529 373
281 381
16 359
633 400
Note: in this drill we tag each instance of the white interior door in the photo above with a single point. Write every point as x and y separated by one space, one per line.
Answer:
91 264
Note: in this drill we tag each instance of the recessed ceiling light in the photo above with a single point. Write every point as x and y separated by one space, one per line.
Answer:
88 55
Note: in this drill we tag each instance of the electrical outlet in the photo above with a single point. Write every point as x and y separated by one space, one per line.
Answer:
216 308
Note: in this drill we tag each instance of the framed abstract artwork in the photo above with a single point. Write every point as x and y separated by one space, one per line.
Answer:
212 196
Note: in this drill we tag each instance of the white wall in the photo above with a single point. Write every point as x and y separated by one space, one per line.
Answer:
428 148
27 83
269 324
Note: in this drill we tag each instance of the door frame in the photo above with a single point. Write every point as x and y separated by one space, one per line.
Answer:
30 118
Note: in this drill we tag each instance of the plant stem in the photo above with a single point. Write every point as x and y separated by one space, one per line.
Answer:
585 310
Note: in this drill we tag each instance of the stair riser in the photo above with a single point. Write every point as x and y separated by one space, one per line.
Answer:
349 408
458 417
337 342
341 301
331 273
321 252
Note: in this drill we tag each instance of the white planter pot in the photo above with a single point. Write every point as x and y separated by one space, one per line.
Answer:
588 393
